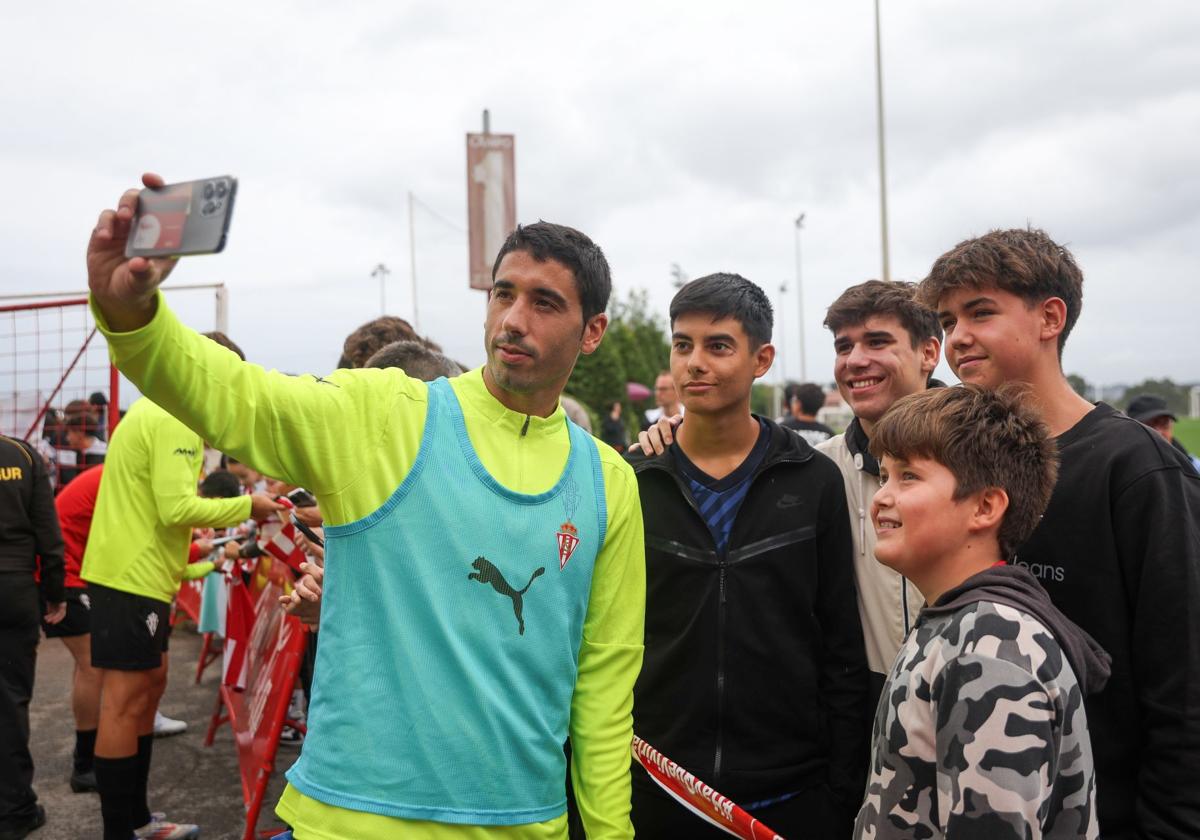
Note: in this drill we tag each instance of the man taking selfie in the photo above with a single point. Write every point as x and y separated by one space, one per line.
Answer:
484 566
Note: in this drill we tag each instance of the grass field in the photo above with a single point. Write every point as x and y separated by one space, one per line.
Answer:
1188 432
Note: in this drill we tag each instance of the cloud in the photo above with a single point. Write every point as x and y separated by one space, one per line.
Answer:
669 132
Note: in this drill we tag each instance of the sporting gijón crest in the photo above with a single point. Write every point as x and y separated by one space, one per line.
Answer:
568 534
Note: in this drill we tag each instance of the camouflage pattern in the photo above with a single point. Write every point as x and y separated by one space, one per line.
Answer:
980 732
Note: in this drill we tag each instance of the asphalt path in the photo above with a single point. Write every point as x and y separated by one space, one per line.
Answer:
188 781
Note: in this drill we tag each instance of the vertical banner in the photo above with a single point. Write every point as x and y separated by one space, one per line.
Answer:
491 201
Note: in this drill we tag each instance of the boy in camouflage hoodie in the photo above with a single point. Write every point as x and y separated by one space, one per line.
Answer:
981 730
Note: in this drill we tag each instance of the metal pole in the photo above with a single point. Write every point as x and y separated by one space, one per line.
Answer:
381 271
222 309
781 354
883 216
800 300
412 259
487 122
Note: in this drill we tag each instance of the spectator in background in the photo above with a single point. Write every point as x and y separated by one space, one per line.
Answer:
578 414
612 430
54 427
666 400
133 563
99 404
28 530
376 334
1151 410
418 358
803 403
84 449
75 506
252 480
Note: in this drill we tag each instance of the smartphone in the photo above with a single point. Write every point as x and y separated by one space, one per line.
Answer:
220 541
308 532
182 219
302 498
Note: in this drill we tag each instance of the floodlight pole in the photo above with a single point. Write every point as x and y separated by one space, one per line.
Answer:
800 299
412 258
781 349
883 215
381 272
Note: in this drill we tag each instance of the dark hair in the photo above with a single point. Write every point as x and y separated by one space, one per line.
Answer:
810 395
225 341
220 484
1025 262
82 422
548 241
986 438
724 295
374 335
416 359
876 297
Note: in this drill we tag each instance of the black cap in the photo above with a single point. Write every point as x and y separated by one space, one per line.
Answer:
1145 407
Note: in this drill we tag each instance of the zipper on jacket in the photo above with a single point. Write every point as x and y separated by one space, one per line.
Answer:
720 672
721 558
862 531
904 601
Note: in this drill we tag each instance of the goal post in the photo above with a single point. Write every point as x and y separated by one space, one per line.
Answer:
51 354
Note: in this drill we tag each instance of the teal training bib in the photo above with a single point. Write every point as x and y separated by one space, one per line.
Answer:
451 624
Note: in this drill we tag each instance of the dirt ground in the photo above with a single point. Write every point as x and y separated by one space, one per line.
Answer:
188 781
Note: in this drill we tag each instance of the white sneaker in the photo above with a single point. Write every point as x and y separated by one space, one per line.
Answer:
164 726
159 829
290 736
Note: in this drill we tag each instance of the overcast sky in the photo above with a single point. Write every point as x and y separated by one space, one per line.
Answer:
670 133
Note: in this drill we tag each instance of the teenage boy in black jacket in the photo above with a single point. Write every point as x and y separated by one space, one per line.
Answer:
755 675
1118 549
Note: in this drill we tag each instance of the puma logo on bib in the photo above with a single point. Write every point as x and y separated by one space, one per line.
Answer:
487 573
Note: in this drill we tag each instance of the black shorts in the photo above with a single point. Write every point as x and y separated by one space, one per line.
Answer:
129 632
78 621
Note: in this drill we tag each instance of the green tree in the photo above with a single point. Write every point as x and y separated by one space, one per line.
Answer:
1080 385
599 379
635 348
762 399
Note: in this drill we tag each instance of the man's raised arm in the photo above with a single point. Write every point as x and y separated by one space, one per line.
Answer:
306 430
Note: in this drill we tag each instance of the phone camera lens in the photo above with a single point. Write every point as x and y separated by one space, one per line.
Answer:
221 189
209 208
208 191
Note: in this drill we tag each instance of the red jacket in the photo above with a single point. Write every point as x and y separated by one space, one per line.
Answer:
75 505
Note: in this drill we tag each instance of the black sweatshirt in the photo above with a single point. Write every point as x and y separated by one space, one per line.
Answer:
755 675
1118 550
28 520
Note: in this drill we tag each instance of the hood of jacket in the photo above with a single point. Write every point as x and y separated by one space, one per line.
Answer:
1017 588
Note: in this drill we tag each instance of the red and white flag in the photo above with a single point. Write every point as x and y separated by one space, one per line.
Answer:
239 623
280 542
698 797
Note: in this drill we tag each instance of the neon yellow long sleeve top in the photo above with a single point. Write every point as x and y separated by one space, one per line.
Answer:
147 506
351 438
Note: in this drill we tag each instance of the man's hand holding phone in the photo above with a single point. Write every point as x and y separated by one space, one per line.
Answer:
129 257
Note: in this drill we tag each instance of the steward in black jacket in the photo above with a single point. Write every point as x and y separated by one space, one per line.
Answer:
755 675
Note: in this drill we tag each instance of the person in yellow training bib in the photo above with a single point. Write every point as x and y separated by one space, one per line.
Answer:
484 573
136 552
